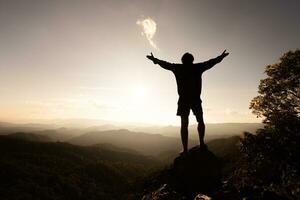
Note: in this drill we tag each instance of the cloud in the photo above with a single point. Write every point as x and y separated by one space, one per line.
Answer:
149 29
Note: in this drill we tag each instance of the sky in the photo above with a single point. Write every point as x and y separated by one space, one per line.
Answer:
63 59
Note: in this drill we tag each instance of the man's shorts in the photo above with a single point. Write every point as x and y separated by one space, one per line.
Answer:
184 107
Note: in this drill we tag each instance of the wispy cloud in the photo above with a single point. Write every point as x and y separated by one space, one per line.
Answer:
149 29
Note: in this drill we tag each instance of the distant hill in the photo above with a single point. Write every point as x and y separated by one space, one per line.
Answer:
111 147
225 148
148 144
6 129
52 131
159 141
29 137
65 129
61 134
116 170
149 140
212 131
35 170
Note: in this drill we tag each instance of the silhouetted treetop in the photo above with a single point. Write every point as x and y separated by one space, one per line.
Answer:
279 93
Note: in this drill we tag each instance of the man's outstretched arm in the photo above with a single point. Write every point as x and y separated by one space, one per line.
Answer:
162 63
212 62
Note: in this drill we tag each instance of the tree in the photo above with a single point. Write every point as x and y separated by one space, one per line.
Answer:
279 94
269 167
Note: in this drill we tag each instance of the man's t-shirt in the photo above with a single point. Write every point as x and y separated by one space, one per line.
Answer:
188 77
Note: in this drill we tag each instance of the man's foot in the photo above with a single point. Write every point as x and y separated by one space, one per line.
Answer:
183 153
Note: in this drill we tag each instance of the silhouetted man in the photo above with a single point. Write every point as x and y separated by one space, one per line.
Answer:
189 84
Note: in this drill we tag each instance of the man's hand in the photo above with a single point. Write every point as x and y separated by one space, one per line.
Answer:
151 57
224 54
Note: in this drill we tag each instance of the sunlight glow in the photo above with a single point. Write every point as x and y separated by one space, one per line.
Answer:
139 93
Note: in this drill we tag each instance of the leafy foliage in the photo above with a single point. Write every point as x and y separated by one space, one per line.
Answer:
270 165
279 93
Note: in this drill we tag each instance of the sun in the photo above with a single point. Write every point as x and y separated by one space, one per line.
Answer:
139 93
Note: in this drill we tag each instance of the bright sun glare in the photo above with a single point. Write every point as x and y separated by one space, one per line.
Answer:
139 93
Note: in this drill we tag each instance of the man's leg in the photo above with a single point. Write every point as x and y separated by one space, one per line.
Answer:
201 130
184 132
198 112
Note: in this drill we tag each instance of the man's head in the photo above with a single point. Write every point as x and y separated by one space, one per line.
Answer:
187 58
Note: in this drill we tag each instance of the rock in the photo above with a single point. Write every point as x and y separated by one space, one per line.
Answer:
190 176
197 172
202 197
165 192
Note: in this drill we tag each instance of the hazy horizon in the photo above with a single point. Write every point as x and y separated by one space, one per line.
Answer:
100 122
87 59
